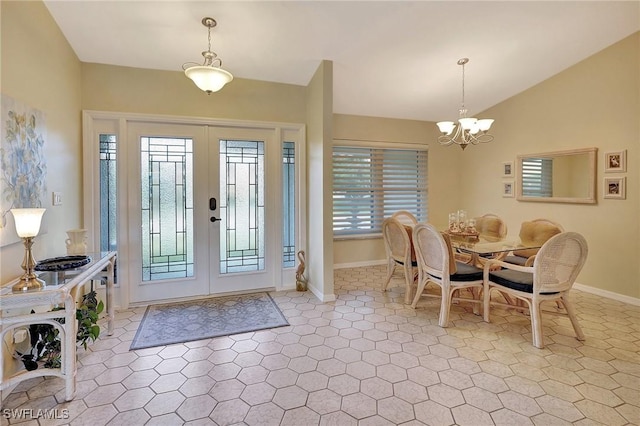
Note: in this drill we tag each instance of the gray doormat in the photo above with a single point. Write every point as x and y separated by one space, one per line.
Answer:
205 318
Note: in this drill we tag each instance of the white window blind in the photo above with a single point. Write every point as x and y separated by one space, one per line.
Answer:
537 177
370 184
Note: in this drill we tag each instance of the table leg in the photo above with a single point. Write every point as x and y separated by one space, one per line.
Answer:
69 347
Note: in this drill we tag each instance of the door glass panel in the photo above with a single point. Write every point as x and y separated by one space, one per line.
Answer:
167 208
108 230
289 204
241 206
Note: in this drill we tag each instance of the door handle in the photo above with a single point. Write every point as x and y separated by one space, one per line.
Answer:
214 219
213 204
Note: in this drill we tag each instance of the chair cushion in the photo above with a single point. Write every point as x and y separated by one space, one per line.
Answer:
515 280
516 260
489 226
535 233
466 272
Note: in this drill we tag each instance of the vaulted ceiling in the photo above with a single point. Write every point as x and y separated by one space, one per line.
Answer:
391 58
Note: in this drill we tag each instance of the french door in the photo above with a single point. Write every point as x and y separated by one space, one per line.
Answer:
243 242
198 210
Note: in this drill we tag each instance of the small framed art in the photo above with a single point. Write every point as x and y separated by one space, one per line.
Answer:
507 189
615 187
615 161
507 169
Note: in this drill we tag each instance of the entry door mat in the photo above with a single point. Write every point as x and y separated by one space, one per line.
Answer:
206 318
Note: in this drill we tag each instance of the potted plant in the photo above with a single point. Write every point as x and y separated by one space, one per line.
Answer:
45 340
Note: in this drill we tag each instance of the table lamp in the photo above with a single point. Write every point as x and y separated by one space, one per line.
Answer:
27 223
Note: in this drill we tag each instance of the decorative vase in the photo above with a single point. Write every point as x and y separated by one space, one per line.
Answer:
77 241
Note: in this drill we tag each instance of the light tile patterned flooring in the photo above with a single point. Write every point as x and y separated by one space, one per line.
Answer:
364 359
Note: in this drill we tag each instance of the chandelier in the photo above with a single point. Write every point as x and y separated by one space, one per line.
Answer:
209 76
468 130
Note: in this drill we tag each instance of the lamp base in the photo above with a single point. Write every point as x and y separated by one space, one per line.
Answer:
27 284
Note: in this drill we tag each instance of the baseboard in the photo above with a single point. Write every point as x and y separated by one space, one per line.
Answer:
322 297
359 264
608 294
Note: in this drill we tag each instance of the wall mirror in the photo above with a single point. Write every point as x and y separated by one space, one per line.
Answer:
558 177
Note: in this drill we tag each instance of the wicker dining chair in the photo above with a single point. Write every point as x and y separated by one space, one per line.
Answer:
491 227
535 232
437 264
554 271
397 244
405 217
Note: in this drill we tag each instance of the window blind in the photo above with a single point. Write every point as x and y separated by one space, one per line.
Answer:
537 177
370 184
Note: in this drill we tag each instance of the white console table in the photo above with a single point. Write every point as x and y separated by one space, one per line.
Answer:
60 290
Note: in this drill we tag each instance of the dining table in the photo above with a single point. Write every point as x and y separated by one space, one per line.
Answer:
479 246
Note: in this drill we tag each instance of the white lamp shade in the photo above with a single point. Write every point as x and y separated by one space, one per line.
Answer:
468 123
27 221
446 127
485 124
208 78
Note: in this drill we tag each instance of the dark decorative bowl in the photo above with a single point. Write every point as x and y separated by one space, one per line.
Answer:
62 263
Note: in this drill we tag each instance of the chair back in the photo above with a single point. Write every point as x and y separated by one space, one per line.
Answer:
559 262
537 232
491 227
433 254
396 240
405 217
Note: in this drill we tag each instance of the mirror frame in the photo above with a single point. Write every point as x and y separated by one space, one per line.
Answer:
589 199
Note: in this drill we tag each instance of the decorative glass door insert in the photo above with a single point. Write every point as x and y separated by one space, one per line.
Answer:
167 208
108 192
242 206
289 204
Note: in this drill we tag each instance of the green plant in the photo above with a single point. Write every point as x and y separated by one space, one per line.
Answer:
45 339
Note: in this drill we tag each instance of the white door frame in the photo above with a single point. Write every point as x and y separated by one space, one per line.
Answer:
95 122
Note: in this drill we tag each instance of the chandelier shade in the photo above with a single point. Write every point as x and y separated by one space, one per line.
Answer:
208 76
468 130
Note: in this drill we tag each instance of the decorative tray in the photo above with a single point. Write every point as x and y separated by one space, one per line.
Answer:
463 233
62 263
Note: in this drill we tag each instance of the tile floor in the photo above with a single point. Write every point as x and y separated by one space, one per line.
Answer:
366 359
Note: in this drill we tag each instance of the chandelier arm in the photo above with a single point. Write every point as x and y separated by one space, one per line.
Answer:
187 65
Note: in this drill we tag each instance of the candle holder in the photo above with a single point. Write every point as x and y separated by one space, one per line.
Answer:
27 223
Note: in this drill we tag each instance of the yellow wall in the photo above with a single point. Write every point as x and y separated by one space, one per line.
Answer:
595 103
124 89
40 70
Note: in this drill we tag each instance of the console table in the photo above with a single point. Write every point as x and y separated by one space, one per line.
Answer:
60 291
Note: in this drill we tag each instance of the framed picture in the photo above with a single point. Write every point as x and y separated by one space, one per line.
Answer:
507 189
507 169
615 187
615 161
